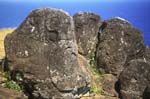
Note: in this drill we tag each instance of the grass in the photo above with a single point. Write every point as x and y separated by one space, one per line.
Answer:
95 88
3 33
10 84
93 68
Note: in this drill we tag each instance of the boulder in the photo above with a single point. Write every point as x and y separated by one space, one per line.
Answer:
1 64
134 79
118 43
147 54
43 51
86 30
108 82
146 94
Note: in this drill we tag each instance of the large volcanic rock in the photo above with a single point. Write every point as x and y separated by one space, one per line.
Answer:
118 43
147 54
43 49
146 94
86 30
135 80
108 85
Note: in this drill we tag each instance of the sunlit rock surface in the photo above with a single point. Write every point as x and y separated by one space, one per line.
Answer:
86 30
134 79
118 43
43 48
52 51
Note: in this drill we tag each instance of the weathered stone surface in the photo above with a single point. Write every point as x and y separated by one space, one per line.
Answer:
134 79
118 43
108 85
1 64
86 30
44 49
128 95
84 66
146 94
10 94
147 54
50 52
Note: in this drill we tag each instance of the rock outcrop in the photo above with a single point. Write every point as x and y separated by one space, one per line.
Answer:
118 43
86 30
44 50
50 54
146 94
134 79
108 85
147 54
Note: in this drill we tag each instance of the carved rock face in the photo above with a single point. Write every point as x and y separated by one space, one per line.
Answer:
86 30
44 49
118 43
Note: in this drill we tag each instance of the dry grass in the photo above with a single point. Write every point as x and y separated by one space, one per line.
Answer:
3 33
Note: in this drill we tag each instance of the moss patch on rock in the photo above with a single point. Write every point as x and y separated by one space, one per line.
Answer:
92 63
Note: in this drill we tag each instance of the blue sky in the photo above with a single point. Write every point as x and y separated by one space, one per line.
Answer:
75 0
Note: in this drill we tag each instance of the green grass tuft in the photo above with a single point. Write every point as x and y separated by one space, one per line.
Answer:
95 88
93 68
10 84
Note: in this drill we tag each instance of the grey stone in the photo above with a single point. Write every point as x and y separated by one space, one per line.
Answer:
119 42
43 48
86 30
134 79
108 85
147 54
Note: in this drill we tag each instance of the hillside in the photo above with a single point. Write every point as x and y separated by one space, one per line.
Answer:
3 33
